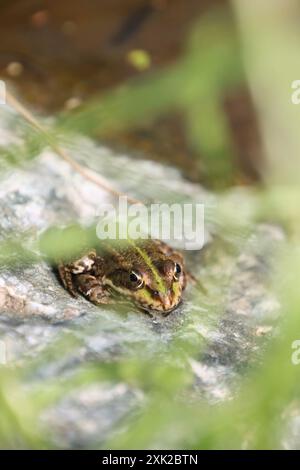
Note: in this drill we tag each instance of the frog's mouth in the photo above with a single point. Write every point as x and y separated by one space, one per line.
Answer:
163 312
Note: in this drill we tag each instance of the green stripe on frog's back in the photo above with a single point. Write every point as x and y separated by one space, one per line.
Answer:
116 251
144 255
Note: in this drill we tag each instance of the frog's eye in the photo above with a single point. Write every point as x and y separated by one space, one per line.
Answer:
136 280
177 271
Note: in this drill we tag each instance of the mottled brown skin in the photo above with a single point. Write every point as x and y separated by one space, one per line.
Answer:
147 272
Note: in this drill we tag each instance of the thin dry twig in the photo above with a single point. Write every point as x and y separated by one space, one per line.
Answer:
85 172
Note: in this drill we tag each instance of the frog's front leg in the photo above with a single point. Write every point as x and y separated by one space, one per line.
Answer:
67 271
92 288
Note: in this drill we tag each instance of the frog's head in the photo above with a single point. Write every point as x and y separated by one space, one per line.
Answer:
153 285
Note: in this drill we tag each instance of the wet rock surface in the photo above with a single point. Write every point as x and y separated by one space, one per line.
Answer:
36 310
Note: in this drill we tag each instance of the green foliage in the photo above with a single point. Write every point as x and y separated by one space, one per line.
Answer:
196 84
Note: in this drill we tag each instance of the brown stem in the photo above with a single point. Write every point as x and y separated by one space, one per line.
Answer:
85 172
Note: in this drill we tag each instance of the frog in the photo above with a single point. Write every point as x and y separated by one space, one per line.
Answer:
148 273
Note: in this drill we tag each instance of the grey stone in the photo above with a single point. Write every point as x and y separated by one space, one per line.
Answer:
36 310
